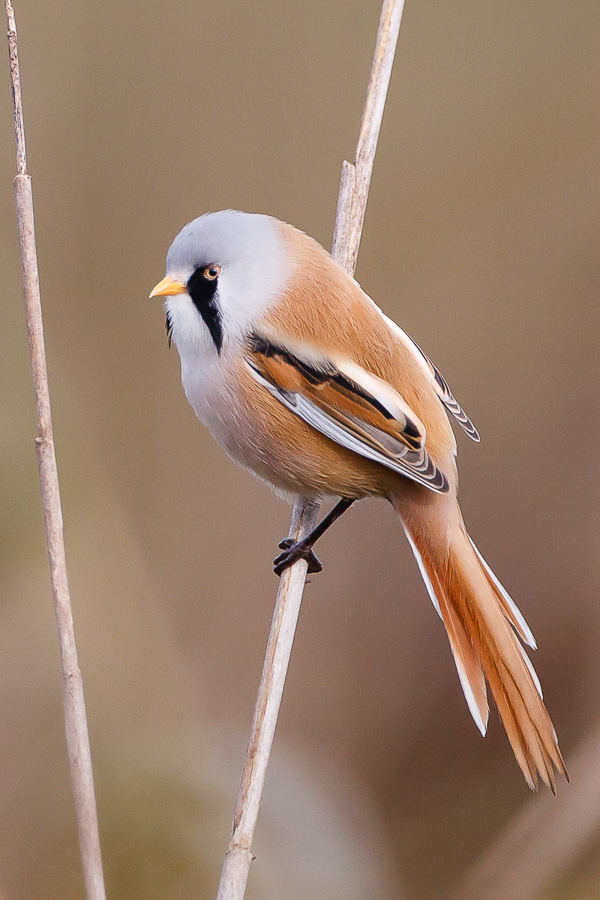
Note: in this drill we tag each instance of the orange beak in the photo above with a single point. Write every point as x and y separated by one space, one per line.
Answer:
168 287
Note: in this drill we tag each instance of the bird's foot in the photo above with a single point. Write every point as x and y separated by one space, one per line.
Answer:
292 552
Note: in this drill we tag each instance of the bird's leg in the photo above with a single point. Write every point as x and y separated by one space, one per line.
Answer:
304 549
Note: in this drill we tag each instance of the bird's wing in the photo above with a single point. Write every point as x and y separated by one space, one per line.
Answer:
450 401
347 404
438 381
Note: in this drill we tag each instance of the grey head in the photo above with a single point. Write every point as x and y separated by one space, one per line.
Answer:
229 266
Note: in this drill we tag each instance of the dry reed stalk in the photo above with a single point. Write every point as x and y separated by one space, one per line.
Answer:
352 201
76 728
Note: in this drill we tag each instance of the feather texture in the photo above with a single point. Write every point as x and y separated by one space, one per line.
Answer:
348 405
484 635
438 382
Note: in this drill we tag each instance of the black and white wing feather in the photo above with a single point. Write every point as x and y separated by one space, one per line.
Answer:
347 404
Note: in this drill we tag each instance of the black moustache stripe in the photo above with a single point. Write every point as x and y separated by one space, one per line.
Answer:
169 329
203 292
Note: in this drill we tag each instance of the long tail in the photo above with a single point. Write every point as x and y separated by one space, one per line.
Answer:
485 630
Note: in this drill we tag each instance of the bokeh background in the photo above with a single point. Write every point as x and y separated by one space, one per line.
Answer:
482 241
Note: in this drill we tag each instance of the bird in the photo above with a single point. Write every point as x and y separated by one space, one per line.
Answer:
305 381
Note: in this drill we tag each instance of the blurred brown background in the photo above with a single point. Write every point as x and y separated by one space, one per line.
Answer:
481 240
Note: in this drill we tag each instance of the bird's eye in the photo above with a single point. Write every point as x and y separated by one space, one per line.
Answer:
211 273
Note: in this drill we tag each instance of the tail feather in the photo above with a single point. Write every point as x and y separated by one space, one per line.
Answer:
511 610
484 627
468 664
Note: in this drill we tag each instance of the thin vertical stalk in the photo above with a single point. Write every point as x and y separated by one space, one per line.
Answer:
352 201
76 728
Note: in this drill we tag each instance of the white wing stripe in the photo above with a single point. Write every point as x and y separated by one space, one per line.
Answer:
332 429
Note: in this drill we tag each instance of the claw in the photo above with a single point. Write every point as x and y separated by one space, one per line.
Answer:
291 553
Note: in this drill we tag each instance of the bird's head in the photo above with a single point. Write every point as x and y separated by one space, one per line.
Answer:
223 270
